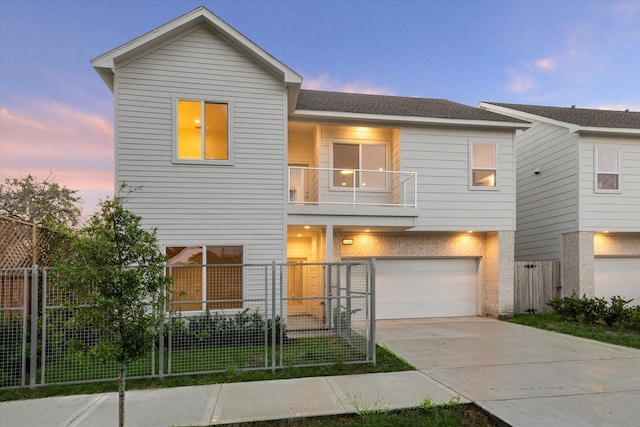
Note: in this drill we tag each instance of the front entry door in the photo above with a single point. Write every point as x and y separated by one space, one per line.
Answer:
296 285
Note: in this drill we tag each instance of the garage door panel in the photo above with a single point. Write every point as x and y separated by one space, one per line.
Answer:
410 288
619 277
418 310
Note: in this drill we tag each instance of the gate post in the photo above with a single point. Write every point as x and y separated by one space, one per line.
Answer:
33 364
273 316
372 308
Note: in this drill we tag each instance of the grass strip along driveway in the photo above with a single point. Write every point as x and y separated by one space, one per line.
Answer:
626 337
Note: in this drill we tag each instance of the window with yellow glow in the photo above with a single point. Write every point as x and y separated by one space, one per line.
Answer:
483 164
203 130
205 277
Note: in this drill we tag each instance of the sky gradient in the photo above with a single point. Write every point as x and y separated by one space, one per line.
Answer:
56 114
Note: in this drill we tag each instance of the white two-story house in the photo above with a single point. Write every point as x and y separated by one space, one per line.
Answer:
238 164
578 198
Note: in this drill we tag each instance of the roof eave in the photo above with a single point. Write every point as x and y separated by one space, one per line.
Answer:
608 131
319 115
523 116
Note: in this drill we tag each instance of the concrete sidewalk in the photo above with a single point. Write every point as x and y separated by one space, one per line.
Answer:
231 403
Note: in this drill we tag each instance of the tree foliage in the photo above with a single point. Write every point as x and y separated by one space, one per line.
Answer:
115 272
44 203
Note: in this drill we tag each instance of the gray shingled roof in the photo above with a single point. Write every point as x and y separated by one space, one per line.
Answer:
581 116
394 106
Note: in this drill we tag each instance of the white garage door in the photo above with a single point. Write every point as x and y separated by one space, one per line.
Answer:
618 276
410 288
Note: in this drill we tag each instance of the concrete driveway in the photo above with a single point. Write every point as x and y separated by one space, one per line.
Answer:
522 375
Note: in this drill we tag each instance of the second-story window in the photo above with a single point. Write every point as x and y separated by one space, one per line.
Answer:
484 161
203 131
607 169
359 165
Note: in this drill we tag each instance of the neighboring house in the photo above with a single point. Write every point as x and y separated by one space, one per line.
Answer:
239 165
578 198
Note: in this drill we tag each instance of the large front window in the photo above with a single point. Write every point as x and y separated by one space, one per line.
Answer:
607 169
483 164
206 277
203 130
359 165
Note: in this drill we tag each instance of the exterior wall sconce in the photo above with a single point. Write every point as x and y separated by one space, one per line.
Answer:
347 241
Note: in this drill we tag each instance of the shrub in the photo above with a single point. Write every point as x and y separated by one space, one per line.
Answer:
221 330
615 312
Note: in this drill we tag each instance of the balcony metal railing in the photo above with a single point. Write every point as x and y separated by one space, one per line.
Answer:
332 186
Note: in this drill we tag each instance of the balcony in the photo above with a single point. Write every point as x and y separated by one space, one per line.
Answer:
352 187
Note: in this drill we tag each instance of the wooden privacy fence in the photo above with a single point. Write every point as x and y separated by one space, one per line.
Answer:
536 282
24 244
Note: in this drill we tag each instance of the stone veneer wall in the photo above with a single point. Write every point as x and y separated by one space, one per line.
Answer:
578 263
616 244
506 272
494 250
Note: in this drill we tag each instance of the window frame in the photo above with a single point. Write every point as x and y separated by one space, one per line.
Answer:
203 267
387 161
471 169
230 138
597 172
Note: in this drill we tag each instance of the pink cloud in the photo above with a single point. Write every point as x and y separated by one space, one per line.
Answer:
520 83
619 107
324 82
74 146
546 64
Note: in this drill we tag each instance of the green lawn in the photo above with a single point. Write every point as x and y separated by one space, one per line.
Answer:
386 362
597 332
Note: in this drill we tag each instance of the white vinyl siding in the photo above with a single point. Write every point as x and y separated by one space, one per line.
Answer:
202 204
610 210
441 159
547 203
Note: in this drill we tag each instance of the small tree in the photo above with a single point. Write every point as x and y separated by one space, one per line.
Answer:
116 274
43 203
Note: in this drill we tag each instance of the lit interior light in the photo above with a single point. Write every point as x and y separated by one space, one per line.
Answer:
306 227
346 172
367 230
197 121
299 235
470 231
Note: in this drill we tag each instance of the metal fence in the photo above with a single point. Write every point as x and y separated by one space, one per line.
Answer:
218 318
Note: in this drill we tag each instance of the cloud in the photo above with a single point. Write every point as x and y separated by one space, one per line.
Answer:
47 138
619 107
546 64
324 82
520 83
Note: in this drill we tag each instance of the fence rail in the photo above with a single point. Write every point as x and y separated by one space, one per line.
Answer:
218 318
